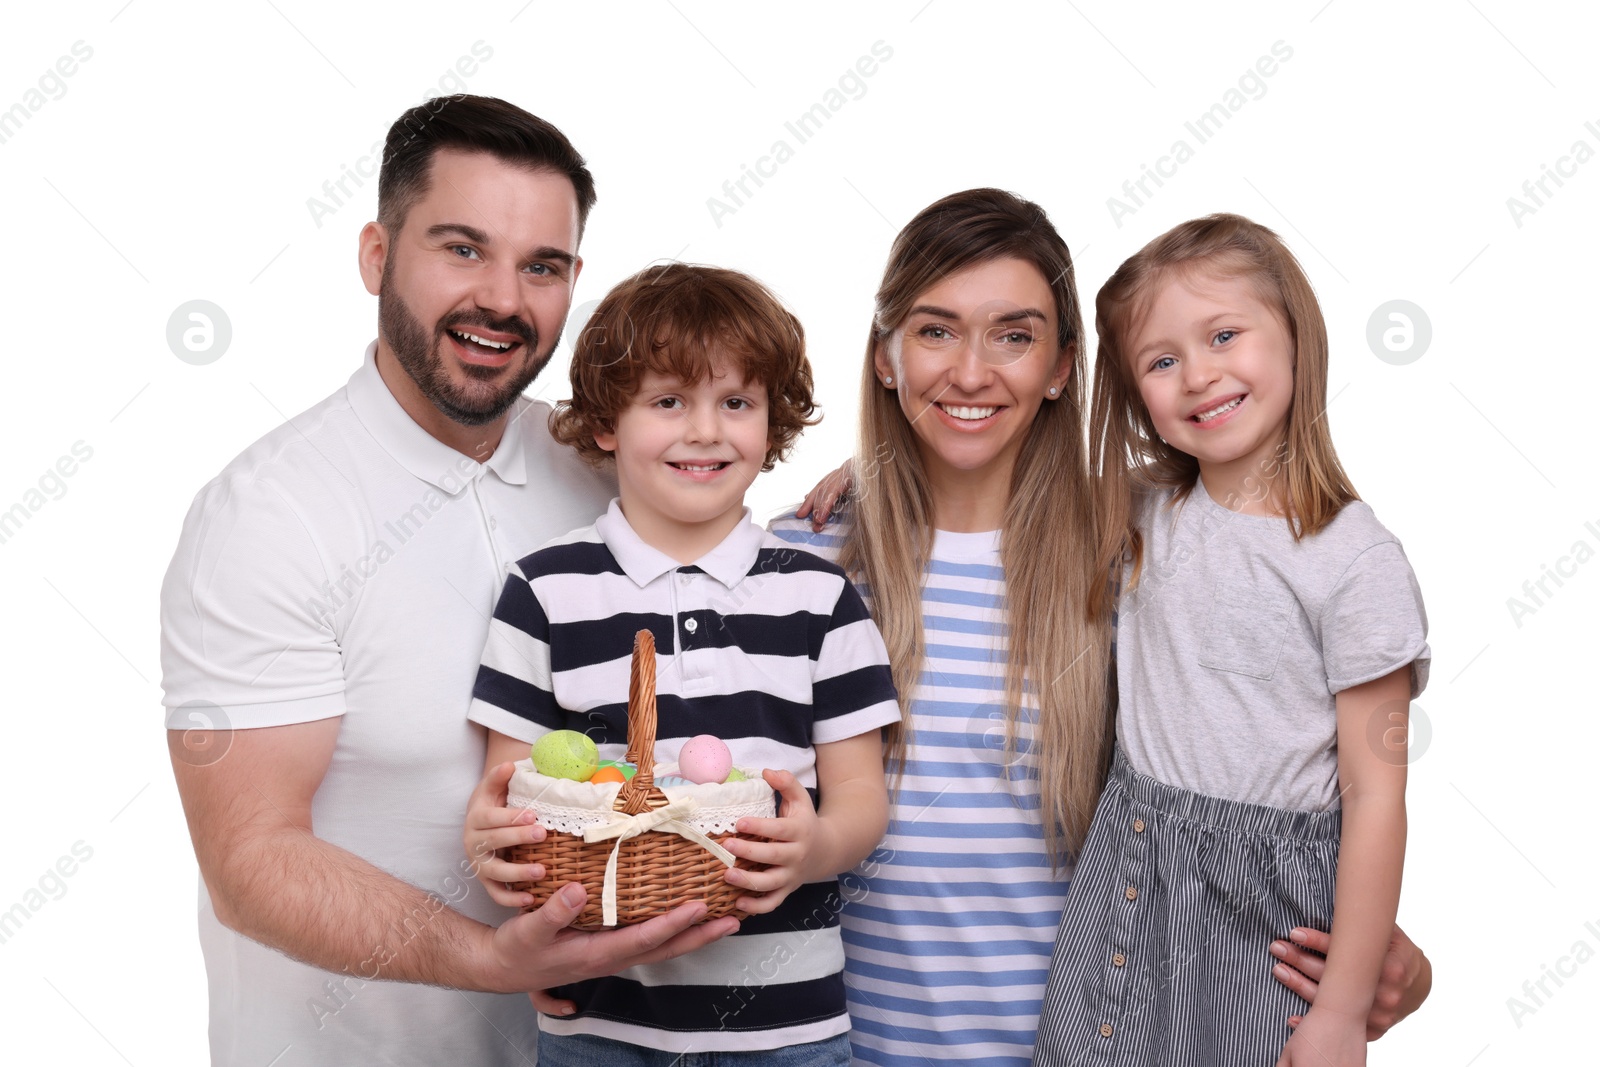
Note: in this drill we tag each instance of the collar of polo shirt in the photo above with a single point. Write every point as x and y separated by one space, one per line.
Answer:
729 563
417 450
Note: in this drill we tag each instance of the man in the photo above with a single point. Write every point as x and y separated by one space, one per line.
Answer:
325 613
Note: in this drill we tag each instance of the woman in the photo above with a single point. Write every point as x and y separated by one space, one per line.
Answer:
972 528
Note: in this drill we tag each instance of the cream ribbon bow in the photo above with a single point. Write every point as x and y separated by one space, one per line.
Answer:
622 827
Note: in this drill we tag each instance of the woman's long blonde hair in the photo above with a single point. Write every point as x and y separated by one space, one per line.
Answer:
1059 640
1125 448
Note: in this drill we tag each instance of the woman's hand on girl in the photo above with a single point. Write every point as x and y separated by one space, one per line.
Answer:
491 826
1403 984
826 494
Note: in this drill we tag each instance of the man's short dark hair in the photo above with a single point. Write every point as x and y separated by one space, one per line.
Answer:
471 124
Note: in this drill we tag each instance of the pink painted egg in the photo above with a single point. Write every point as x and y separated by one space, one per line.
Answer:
705 759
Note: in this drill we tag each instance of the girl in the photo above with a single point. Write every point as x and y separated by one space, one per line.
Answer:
1270 636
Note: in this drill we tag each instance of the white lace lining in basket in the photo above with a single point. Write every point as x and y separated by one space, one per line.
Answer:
573 807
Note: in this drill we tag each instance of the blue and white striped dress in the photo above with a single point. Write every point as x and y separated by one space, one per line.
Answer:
949 926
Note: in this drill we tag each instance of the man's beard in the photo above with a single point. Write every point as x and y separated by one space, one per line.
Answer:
478 401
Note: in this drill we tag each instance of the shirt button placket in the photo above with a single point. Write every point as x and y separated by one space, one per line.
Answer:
490 525
689 596
1121 981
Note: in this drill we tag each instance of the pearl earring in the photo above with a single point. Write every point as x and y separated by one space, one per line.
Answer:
888 379
1052 390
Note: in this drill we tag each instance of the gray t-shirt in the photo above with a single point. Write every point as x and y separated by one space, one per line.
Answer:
1234 642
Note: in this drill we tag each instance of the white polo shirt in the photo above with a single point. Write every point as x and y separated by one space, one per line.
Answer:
347 564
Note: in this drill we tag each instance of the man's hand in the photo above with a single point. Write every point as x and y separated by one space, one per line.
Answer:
1403 984
537 950
272 879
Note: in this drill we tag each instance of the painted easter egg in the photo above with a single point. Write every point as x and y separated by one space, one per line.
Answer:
628 770
705 759
566 754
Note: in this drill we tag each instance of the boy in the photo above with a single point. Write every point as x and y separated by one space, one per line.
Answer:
692 380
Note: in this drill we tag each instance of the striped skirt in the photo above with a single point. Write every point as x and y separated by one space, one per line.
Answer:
1161 957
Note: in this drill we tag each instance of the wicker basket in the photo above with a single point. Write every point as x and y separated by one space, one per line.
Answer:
655 871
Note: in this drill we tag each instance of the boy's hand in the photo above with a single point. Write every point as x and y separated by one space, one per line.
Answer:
1327 1039
491 825
791 839
543 1000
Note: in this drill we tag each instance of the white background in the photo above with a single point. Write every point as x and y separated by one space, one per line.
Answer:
178 162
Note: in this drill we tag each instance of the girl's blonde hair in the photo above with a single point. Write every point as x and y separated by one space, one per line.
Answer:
1058 646
1124 447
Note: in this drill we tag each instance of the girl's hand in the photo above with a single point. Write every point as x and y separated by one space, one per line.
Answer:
1326 1039
790 841
491 825
834 487
1403 984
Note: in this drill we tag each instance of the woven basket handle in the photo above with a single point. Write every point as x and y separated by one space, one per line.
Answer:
639 793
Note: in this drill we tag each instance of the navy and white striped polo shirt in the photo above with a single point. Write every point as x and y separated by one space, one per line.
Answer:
760 643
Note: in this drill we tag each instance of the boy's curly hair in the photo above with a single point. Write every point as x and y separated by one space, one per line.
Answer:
684 320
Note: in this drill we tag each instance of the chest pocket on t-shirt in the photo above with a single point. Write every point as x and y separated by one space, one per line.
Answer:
1245 631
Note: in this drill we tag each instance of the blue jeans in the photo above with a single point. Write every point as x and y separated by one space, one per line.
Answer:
586 1050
